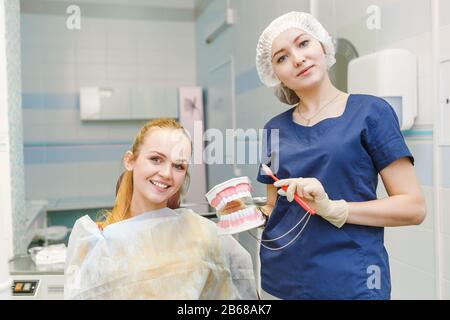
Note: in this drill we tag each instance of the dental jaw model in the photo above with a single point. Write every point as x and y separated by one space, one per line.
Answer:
229 199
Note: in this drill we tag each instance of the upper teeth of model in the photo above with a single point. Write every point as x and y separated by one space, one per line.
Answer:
228 199
165 186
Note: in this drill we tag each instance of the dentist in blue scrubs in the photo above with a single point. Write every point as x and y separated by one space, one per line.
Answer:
330 148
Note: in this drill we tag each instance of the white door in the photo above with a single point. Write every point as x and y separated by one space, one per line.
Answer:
444 137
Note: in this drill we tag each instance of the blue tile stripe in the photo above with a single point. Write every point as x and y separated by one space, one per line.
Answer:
246 81
417 133
50 101
46 153
50 153
75 143
76 153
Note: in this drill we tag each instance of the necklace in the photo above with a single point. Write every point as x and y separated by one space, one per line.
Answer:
308 120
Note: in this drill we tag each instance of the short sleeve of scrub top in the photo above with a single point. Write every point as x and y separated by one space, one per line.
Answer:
345 154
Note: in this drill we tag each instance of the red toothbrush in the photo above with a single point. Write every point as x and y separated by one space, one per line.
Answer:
299 200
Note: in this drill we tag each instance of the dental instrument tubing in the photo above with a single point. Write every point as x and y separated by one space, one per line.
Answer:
282 236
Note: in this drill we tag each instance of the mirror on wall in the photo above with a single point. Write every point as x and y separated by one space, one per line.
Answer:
128 103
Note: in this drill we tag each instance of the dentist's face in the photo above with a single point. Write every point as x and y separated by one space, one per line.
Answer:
298 59
160 167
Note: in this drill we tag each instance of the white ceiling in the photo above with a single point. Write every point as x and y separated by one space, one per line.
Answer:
185 4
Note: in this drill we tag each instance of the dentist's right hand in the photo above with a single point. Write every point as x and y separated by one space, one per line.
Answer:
311 190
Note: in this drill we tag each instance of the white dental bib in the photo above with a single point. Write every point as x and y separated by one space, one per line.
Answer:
161 254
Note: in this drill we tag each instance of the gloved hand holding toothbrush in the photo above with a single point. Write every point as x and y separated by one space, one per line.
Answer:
310 189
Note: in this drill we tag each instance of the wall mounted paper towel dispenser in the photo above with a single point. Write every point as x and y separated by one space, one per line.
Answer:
390 74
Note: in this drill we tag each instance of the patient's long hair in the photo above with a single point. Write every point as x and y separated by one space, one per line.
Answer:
124 192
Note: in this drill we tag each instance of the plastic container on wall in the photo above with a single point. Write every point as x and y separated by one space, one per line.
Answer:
390 74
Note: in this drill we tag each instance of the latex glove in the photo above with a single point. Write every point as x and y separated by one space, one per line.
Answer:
334 211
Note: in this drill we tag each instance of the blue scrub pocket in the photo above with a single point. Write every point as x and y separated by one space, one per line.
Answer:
336 266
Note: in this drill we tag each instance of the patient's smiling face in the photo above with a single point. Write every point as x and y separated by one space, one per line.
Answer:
159 168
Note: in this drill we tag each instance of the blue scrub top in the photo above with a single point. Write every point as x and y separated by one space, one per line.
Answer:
345 154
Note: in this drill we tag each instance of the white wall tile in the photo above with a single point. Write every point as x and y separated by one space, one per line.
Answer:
154 83
91 71
446 255
121 40
446 290
90 55
51 181
99 179
429 199
445 42
59 119
62 132
91 41
184 81
444 9
92 132
58 71
127 56
412 245
118 132
32 71
33 117
31 84
57 85
445 195
148 56
59 55
121 26
151 41
72 180
149 31
178 71
93 82
121 72
425 114
396 15
410 283
35 181
152 72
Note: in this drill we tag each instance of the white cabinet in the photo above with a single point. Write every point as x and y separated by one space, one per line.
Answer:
128 103
390 74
